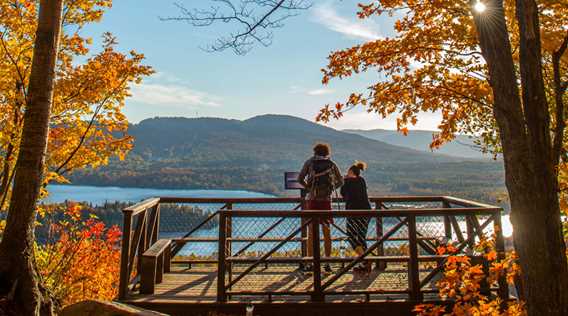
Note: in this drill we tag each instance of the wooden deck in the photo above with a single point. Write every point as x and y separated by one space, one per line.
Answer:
254 254
283 283
195 291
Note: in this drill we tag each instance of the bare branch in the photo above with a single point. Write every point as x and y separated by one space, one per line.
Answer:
255 18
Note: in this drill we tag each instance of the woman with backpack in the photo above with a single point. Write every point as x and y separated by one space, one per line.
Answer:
354 193
320 176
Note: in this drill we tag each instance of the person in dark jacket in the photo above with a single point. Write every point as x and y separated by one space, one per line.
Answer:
354 192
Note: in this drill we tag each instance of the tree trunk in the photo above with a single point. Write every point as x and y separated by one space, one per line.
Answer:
528 157
18 277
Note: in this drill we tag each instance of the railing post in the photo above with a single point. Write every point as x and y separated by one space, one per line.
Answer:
229 244
304 233
381 265
156 229
500 247
125 255
143 245
413 272
470 234
317 296
447 222
221 269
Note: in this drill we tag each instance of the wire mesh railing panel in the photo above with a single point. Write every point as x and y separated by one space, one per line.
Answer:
257 246
430 227
256 236
177 220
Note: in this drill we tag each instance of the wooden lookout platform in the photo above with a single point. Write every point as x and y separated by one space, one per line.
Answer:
253 252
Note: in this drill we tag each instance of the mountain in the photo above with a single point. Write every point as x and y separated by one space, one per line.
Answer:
462 146
253 154
271 140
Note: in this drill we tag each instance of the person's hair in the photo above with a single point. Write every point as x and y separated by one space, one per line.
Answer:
357 167
322 149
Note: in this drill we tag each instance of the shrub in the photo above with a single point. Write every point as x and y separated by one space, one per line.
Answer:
463 283
80 259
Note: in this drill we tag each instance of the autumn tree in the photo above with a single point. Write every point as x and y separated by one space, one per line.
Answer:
56 117
18 276
87 126
465 59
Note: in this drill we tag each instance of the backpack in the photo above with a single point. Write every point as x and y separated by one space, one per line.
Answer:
320 179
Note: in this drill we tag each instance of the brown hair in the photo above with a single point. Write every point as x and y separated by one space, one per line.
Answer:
357 167
322 149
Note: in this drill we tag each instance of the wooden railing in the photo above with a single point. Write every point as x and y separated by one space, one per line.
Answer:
141 226
140 230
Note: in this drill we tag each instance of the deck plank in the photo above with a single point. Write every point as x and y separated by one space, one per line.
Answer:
199 284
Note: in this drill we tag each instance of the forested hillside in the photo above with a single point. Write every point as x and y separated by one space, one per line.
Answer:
253 154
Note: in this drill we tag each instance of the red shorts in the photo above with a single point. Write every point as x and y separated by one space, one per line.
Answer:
320 205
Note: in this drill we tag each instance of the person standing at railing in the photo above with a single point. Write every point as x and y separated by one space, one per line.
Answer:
354 193
320 176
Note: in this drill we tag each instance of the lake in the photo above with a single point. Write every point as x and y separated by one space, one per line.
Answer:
100 195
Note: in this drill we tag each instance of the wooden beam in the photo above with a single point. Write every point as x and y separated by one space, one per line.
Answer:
125 257
142 206
221 290
413 273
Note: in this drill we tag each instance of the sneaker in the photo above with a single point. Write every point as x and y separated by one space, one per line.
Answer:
307 268
327 268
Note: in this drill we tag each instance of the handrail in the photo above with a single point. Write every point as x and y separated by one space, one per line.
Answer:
142 206
276 200
135 243
464 202
365 213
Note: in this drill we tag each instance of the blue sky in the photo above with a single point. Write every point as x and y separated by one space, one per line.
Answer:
284 78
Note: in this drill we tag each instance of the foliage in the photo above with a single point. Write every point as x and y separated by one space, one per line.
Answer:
87 128
87 125
465 284
79 261
434 64
563 183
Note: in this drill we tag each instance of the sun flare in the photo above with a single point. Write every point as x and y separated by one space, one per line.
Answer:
479 7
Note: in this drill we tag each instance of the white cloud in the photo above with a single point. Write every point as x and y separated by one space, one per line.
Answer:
364 120
322 91
171 94
294 89
326 15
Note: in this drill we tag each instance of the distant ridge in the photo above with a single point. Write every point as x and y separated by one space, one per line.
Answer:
462 146
215 153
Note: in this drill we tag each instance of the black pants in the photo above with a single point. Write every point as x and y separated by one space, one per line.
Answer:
357 231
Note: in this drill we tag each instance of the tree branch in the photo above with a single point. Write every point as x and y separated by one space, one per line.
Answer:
256 27
89 126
